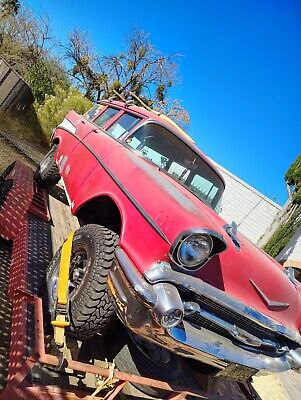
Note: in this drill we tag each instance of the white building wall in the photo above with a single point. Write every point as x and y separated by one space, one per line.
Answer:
251 210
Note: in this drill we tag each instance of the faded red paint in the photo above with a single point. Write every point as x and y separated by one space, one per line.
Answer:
172 208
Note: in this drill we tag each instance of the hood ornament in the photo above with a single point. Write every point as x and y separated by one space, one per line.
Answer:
271 304
232 232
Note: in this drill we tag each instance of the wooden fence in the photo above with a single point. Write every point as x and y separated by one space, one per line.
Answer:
15 94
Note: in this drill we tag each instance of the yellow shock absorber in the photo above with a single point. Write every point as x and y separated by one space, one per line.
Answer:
60 323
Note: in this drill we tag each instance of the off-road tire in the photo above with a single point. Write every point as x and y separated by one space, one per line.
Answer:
90 309
129 358
48 176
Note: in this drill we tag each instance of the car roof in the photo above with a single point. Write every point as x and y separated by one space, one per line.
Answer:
166 122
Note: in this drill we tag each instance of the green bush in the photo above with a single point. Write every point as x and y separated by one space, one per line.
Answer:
56 106
39 79
282 235
293 178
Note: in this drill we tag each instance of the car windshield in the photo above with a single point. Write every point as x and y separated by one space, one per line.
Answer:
178 160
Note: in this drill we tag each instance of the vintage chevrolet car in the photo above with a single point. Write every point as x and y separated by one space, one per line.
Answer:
153 249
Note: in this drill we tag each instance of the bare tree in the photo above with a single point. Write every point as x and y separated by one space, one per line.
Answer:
174 110
9 8
26 37
141 68
83 70
26 44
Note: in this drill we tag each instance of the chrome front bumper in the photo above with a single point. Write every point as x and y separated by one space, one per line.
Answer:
140 304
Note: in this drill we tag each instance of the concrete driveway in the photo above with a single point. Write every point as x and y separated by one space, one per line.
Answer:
285 386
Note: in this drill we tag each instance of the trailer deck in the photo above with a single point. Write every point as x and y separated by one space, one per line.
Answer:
32 367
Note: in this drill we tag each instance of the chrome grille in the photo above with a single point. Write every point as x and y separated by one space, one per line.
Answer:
231 317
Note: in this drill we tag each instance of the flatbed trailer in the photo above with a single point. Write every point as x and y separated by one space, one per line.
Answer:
36 368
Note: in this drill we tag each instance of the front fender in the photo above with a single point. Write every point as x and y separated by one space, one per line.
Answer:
141 242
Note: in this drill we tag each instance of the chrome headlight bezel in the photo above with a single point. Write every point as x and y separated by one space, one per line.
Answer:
217 241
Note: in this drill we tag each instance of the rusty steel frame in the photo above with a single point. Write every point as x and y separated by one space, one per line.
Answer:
20 363
16 383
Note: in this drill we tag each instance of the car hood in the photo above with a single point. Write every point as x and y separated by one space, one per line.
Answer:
248 274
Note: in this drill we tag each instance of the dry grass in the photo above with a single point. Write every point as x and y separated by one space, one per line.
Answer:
24 125
9 155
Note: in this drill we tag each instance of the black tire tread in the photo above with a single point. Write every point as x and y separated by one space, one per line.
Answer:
50 176
91 311
130 359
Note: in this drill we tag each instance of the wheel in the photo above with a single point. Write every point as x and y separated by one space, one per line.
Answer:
135 355
47 174
90 310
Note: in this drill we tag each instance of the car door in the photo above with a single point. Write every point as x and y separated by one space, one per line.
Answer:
75 161
93 144
106 136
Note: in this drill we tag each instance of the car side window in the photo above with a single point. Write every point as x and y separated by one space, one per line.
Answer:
123 125
203 188
179 172
93 111
106 116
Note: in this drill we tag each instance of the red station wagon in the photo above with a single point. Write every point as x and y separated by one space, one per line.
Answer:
153 249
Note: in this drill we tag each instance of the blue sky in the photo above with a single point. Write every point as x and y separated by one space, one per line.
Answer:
240 71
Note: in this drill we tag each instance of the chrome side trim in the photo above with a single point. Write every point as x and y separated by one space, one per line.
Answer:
164 273
144 290
222 351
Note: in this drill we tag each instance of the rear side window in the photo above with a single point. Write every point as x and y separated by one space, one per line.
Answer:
93 111
105 117
123 125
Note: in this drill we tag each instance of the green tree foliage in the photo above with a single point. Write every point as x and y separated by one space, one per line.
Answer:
42 80
287 229
39 80
293 179
283 235
26 43
9 8
56 106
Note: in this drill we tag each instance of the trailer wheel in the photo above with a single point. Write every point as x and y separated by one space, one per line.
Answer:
90 309
47 174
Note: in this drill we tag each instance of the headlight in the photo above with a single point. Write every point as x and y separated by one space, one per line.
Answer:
194 250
